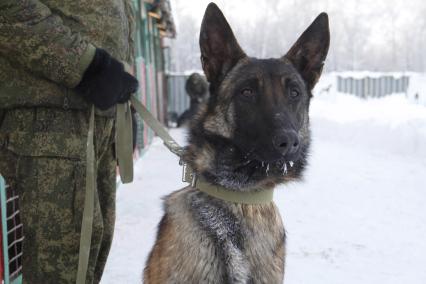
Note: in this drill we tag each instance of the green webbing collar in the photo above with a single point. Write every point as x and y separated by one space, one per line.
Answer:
252 196
255 196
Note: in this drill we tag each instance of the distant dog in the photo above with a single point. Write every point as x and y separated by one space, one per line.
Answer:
252 135
197 89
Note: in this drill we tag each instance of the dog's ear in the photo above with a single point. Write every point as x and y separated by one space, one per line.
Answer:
310 50
220 50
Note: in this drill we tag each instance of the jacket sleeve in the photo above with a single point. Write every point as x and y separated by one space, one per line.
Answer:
36 39
130 13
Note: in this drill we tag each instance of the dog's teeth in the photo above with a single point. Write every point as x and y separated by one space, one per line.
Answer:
267 169
284 168
263 164
291 164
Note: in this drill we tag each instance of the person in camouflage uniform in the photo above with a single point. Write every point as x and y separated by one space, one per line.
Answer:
57 58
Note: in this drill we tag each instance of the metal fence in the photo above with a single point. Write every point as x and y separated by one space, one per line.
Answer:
373 86
368 86
178 100
11 236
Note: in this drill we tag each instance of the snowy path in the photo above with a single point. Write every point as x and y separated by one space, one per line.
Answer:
359 217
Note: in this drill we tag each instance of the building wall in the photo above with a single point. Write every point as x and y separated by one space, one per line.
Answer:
150 62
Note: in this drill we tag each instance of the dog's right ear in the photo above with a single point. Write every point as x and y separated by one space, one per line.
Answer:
220 50
310 50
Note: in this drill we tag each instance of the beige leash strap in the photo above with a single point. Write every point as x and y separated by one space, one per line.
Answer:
124 142
89 204
155 125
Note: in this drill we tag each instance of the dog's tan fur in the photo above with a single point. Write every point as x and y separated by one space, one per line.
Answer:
186 254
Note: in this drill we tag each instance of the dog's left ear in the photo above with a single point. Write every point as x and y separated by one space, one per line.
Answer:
220 50
310 50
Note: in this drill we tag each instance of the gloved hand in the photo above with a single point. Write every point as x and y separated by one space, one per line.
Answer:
105 83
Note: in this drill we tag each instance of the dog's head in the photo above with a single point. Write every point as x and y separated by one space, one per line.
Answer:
254 131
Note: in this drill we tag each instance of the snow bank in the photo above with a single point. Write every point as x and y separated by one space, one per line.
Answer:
358 217
417 88
392 124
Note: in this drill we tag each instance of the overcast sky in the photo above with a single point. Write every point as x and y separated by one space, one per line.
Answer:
385 35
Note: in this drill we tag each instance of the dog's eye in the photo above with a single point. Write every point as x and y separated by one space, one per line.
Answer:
247 92
248 95
294 93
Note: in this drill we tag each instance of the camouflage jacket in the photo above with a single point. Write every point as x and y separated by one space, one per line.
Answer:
46 45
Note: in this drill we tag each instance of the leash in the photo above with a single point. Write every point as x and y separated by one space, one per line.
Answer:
157 127
89 204
124 151
124 142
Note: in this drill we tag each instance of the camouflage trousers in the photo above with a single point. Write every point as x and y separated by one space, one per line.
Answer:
42 155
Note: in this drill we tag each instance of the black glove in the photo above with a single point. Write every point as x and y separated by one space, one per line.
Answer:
105 83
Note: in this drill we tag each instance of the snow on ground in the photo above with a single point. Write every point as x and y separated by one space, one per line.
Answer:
417 87
359 216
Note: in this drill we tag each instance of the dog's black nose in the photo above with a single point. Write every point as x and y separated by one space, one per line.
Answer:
286 142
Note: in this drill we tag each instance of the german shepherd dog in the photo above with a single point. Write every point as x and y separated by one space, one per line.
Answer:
252 133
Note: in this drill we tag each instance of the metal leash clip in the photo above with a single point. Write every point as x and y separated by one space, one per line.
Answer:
187 174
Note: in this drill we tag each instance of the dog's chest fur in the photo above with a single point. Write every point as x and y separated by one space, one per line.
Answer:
206 240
